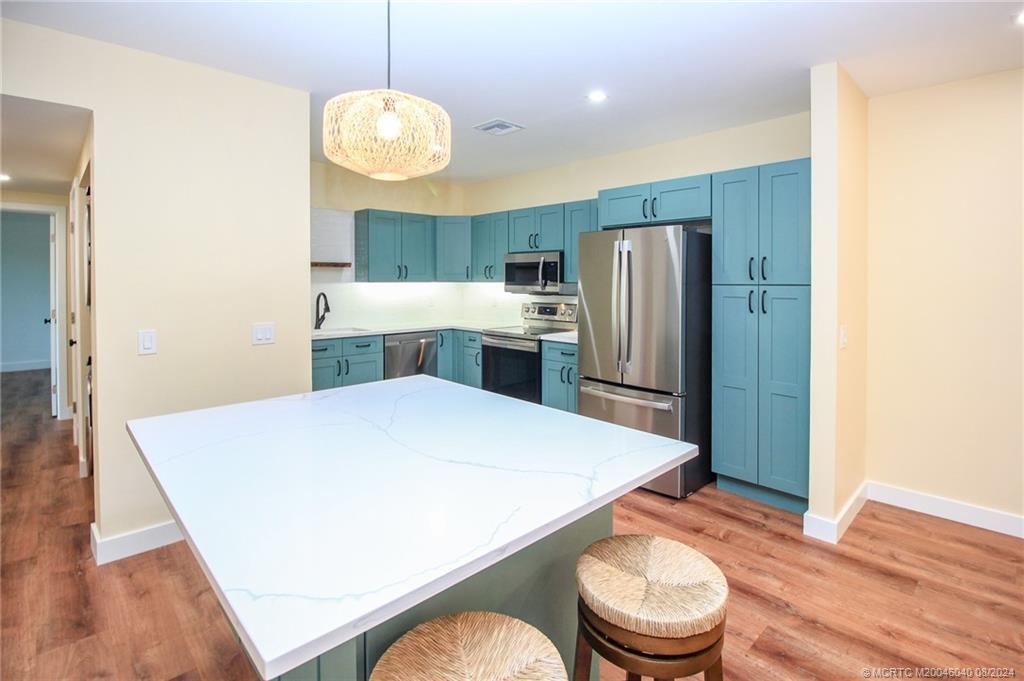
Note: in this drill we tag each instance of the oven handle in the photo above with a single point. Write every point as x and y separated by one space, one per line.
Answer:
511 343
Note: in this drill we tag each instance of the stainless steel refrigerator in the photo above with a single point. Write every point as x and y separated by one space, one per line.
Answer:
645 339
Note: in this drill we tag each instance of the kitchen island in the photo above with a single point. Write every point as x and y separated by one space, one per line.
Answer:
330 523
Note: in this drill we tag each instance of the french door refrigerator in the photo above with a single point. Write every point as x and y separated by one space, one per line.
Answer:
645 339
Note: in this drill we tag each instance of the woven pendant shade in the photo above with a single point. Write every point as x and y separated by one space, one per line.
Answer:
387 134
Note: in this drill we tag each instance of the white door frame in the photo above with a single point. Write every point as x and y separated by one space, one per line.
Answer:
60 398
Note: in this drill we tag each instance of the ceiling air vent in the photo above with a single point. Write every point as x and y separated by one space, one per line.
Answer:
498 127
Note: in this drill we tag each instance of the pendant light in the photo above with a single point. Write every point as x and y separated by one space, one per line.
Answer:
387 134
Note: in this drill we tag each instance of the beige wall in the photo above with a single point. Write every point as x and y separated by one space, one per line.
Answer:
778 139
202 199
332 186
33 197
944 407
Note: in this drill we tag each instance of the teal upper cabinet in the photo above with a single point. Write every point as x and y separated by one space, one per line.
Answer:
784 337
550 221
394 246
418 247
734 253
454 256
624 205
522 227
378 245
580 217
489 246
734 317
785 223
686 198
446 354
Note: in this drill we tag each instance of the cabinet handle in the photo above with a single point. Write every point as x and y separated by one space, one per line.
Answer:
561 374
568 354
488 272
644 209
467 271
406 268
569 374
362 345
319 349
440 340
346 367
399 271
764 260
478 359
654 207
750 268
750 301
536 240
764 308
339 368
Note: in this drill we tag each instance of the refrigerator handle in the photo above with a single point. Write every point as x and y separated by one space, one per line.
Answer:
617 303
626 303
635 401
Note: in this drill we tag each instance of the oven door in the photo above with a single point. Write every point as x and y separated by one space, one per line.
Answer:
534 272
511 366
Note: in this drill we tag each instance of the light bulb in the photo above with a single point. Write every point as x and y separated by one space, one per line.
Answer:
389 126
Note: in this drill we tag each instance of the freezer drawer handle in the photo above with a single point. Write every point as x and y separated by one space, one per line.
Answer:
650 404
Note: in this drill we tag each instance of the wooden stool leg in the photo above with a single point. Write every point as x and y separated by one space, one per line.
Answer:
584 656
714 672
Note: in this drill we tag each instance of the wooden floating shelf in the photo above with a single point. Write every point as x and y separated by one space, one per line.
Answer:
330 264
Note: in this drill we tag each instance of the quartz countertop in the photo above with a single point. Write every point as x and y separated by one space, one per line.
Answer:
562 337
318 516
377 330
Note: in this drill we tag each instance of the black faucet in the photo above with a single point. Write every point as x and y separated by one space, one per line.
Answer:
321 316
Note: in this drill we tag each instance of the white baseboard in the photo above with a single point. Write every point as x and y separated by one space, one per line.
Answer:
829 529
108 549
27 365
832 529
950 509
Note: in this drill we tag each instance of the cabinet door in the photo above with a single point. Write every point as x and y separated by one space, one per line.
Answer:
624 205
362 369
734 398
522 226
384 245
580 217
418 247
785 223
571 376
734 233
499 223
472 373
550 226
784 350
446 354
326 372
554 385
685 198
453 248
482 240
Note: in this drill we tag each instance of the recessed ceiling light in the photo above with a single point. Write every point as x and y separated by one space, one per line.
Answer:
4 177
597 96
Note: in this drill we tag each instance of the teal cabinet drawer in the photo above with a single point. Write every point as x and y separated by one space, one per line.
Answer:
471 339
364 345
326 348
559 352
362 369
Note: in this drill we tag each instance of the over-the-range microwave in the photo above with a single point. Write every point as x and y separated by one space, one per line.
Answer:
540 272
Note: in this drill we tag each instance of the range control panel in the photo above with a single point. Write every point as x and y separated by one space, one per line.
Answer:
551 312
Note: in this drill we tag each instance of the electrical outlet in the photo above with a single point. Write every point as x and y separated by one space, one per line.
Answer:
263 333
147 341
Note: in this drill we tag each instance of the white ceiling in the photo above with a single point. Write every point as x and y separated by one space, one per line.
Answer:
40 143
670 69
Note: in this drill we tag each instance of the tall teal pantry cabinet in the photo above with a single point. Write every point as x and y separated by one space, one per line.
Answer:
760 354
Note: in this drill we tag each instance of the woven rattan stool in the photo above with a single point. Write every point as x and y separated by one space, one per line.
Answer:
651 606
471 646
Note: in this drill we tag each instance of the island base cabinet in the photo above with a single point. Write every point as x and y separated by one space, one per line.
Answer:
536 584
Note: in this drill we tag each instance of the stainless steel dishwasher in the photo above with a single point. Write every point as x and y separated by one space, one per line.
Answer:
408 354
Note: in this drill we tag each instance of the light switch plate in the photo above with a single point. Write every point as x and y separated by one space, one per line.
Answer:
147 341
263 333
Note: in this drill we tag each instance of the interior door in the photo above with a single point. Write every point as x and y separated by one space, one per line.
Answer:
598 309
653 263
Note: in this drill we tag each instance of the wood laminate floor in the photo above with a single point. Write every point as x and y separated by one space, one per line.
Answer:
901 590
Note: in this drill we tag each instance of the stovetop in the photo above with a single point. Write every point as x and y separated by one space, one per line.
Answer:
540 318
532 332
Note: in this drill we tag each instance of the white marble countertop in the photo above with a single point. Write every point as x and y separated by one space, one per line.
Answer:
318 516
561 337
350 332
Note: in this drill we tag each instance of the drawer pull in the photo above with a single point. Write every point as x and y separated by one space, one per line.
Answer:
319 349
568 354
363 345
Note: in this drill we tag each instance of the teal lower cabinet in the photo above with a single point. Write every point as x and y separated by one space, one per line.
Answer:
471 369
446 354
559 376
349 361
760 391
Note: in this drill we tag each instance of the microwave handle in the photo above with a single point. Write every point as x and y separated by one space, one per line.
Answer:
540 273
